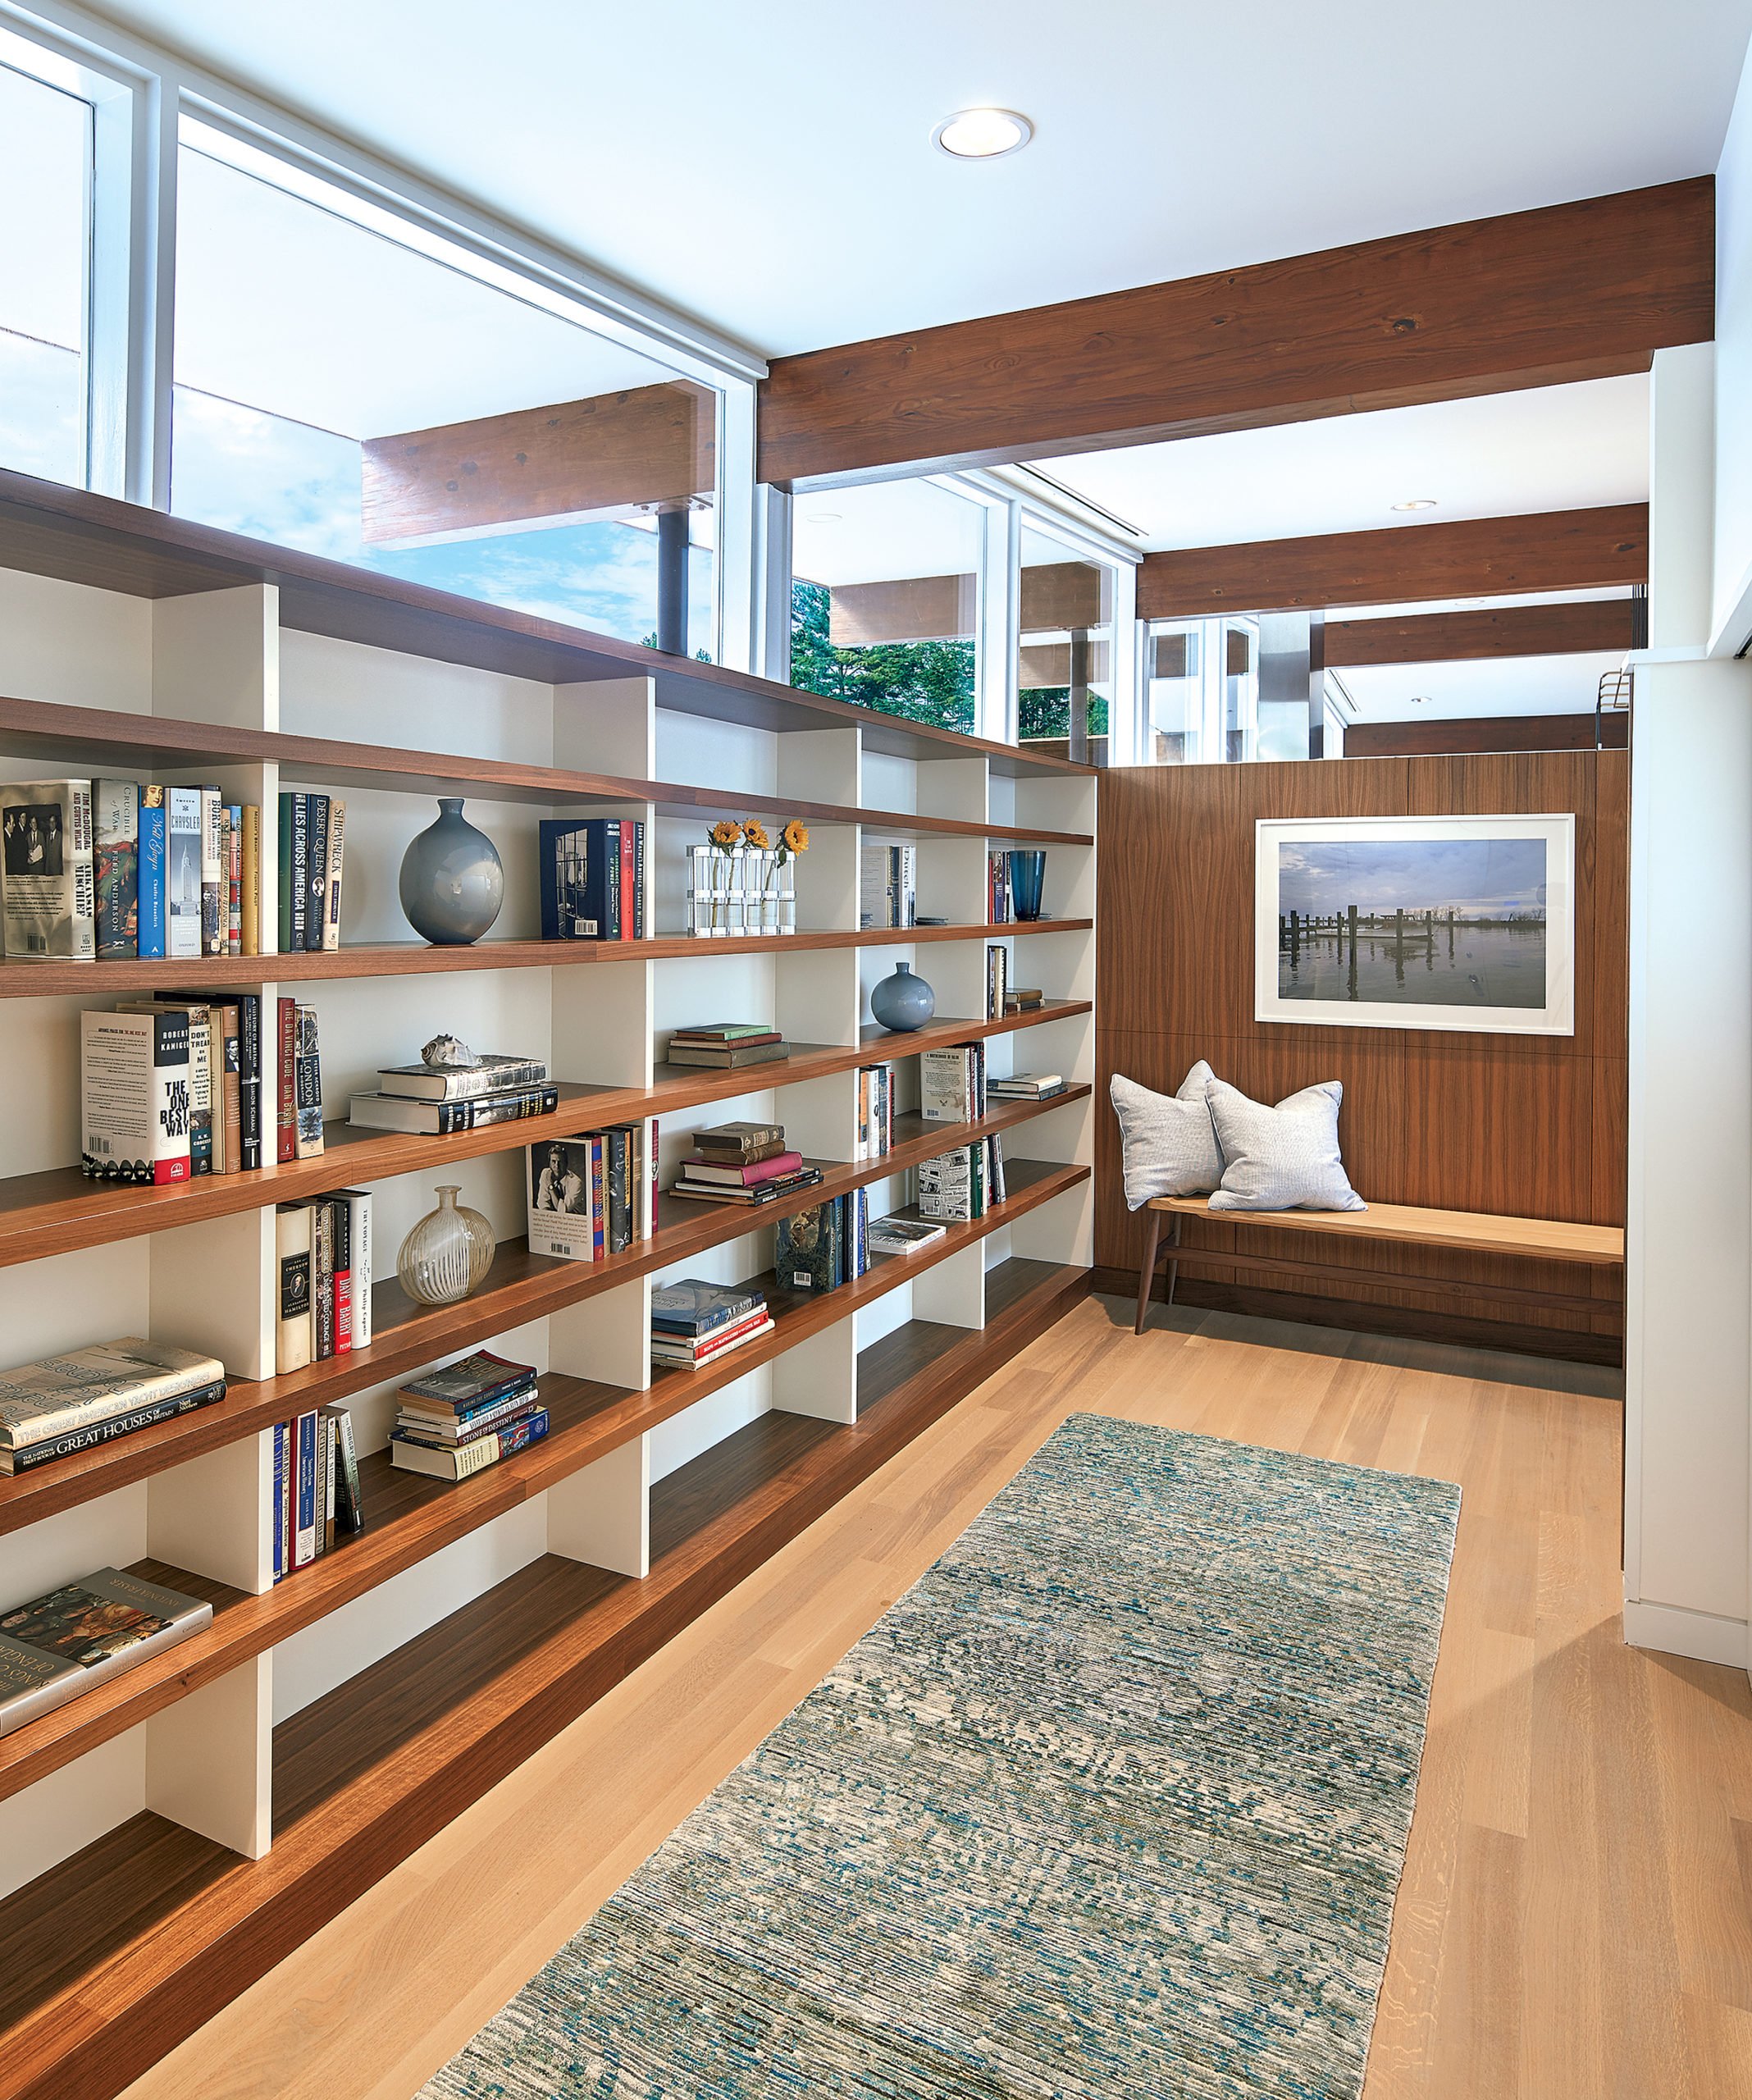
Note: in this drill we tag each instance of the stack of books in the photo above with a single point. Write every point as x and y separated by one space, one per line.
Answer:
459 1420
1027 1086
747 1163
903 1235
963 1184
297 1128
952 1084
594 1194
432 1101
822 1248
312 849
694 1323
728 1045
888 886
90 1396
109 870
58 1645
323 1252
592 878
315 1475
1023 1000
875 1112
171 1087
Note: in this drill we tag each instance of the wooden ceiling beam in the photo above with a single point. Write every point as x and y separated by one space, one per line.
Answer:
1571 627
1473 558
1585 290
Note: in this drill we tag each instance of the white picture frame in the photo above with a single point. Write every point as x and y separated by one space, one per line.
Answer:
1413 931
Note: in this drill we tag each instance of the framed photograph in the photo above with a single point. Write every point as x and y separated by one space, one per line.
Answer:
1416 922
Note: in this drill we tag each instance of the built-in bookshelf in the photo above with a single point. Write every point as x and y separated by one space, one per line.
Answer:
168 1834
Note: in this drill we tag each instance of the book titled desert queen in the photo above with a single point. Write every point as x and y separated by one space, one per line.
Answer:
59 1394
60 1645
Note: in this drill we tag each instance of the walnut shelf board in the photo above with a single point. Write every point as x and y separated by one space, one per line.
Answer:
56 1211
50 531
519 1287
160 1929
589 1421
48 979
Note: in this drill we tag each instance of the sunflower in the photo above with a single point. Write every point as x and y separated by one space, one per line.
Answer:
755 833
725 834
796 836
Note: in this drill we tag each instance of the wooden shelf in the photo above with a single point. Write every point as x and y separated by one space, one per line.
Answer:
415 1521
58 1209
161 1929
519 1287
24 980
50 531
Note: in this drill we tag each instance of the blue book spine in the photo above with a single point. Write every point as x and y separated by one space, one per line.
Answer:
305 1547
575 896
151 875
280 1500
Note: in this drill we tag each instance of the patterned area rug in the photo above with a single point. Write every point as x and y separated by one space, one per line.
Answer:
1113 1801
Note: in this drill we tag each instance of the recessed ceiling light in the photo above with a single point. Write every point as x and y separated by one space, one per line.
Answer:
982 134
1417 503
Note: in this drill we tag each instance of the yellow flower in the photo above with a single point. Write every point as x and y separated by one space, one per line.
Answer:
755 832
797 837
726 834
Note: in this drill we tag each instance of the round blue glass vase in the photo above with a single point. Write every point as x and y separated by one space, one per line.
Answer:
452 882
903 1002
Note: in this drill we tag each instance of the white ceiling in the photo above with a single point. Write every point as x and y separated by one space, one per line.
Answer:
1552 447
1493 686
766 166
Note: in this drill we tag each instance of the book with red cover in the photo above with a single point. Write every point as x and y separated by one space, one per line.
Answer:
677 1349
699 1168
286 1123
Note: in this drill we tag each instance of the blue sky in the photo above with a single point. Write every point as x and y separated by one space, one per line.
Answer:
1495 874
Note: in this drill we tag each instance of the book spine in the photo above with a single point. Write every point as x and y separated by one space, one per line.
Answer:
322 1281
652 1163
66 1442
285 1080
249 881
638 880
234 839
283 864
337 845
349 1508
359 1264
627 924
308 1085
305 1533
182 941
611 855
620 1209
151 872
341 1272
116 846
326 1437
598 1200
212 908
294 1335
229 1020
249 1079
316 868
299 871
279 1505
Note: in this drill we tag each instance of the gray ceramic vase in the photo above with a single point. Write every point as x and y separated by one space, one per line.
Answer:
452 883
903 1002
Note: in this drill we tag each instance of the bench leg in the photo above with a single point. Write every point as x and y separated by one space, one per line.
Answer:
1147 1270
1174 1265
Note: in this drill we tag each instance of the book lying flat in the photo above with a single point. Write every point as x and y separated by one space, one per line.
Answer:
439 1119
730 1056
26 1456
902 1236
471 1381
60 1645
431 1424
460 1082
690 1306
740 1141
686 1359
767 1191
45 1399
747 1175
466 1459
728 1031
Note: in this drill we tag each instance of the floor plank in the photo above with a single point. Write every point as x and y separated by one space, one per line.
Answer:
1576 1917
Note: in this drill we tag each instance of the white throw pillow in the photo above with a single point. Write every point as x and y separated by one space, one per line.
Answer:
1284 1159
1169 1145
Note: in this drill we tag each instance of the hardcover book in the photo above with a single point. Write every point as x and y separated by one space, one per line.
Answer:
116 849
741 1141
214 873
357 1202
691 1306
335 863
134 1096
562 1220
460 1082
295 1339
62 1644
84 1386
308 1097
807 1258
24 1456
182 910
731 1057
467 1459
46 871
471 1380
581 878
152 871
316 868
438 1119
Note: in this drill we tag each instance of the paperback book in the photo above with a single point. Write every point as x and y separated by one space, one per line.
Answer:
48 884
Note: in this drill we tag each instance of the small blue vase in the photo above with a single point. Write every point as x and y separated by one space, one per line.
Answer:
1027 876
452 883
903 1002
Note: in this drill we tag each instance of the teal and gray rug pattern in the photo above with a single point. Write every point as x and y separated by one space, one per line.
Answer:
1113 1801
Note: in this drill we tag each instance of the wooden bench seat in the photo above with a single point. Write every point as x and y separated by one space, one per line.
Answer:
1476 1232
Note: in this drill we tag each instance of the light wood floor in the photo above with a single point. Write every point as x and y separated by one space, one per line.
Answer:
1574 1920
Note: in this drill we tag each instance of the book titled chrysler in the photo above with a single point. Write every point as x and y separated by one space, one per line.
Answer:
62 1644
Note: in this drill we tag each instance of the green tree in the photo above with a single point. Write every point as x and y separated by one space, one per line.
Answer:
1046 712
924 681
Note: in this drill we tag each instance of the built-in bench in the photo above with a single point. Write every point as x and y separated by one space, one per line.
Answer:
1473 1232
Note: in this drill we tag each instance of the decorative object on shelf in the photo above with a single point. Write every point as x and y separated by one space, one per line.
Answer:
447 1052
903 1002
778 875
1027 876
452 883
715 899
448 1253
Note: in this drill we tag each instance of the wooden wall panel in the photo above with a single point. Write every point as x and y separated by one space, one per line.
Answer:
1531 1126
1501 732
1568 626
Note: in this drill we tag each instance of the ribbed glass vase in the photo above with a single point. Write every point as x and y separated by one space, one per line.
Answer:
448 1253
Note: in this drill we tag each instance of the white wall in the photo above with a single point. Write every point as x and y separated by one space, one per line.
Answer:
1732 567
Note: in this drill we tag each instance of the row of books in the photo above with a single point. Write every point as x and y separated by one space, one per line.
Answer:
820 1248
1000 903
592 878
1001 997
109 870
432 1101
171 1088
316 1487
85 1397
311 844
695 1323
71 1639
456 1422
875 1138
952 1083
888 886
963 1184
323 1277
746 1163
593 1195
728 1045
